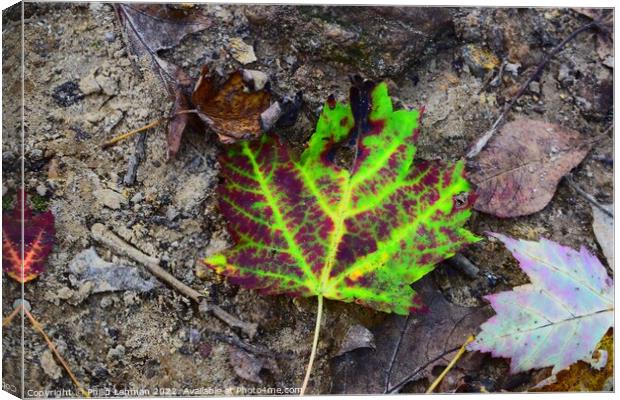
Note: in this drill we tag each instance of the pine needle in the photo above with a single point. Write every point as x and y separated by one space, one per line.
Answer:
129 134
451 365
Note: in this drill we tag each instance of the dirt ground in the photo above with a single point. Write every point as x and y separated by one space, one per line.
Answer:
151 337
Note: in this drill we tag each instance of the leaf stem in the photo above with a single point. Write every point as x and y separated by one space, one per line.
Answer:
315 342
451 365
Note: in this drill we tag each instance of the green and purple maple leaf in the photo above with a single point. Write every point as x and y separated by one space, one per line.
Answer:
309 226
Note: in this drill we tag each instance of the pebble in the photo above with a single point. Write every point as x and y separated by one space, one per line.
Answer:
137 198
257 78
194 336
534 87
88 85
241 51
108 84
564 74
41 190
18 302
512 68
171 213
117 353
109 198
106 302
49 366
109 37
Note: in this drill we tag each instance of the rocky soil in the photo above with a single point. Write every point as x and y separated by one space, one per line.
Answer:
125 332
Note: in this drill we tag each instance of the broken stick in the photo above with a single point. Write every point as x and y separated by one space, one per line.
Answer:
105 236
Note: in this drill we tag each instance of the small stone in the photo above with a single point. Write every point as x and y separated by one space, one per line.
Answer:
189 195
479 60
534 87
171 213
241 51
583 104
564 74
41 190
194 336
49 365
95 6
18 302
137 198
512 68
108 84
256 79
106 302
116 353
109 37
100 276
64 293
109 198
88 85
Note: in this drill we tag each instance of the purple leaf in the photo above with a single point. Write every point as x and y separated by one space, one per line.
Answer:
556 320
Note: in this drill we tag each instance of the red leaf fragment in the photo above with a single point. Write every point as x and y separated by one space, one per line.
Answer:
38 238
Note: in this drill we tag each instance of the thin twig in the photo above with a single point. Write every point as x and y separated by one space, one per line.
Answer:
6 321
103 235
479 145
126 135
37 326
457 356
587 196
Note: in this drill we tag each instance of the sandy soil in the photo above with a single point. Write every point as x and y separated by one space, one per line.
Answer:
130 340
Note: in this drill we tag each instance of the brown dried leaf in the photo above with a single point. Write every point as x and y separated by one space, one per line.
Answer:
594 376
407 348
160 26
231 109
517 173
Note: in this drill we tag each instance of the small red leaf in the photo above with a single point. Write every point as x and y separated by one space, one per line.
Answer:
38 240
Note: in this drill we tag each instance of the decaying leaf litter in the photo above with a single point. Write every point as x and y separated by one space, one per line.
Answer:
458 132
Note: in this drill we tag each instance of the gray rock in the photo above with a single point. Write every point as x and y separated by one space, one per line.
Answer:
49 366
88 85
41 190
108 84
564 74
534 87
89 268
18 302
257 79
109 198
116 353
137 198
109 37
